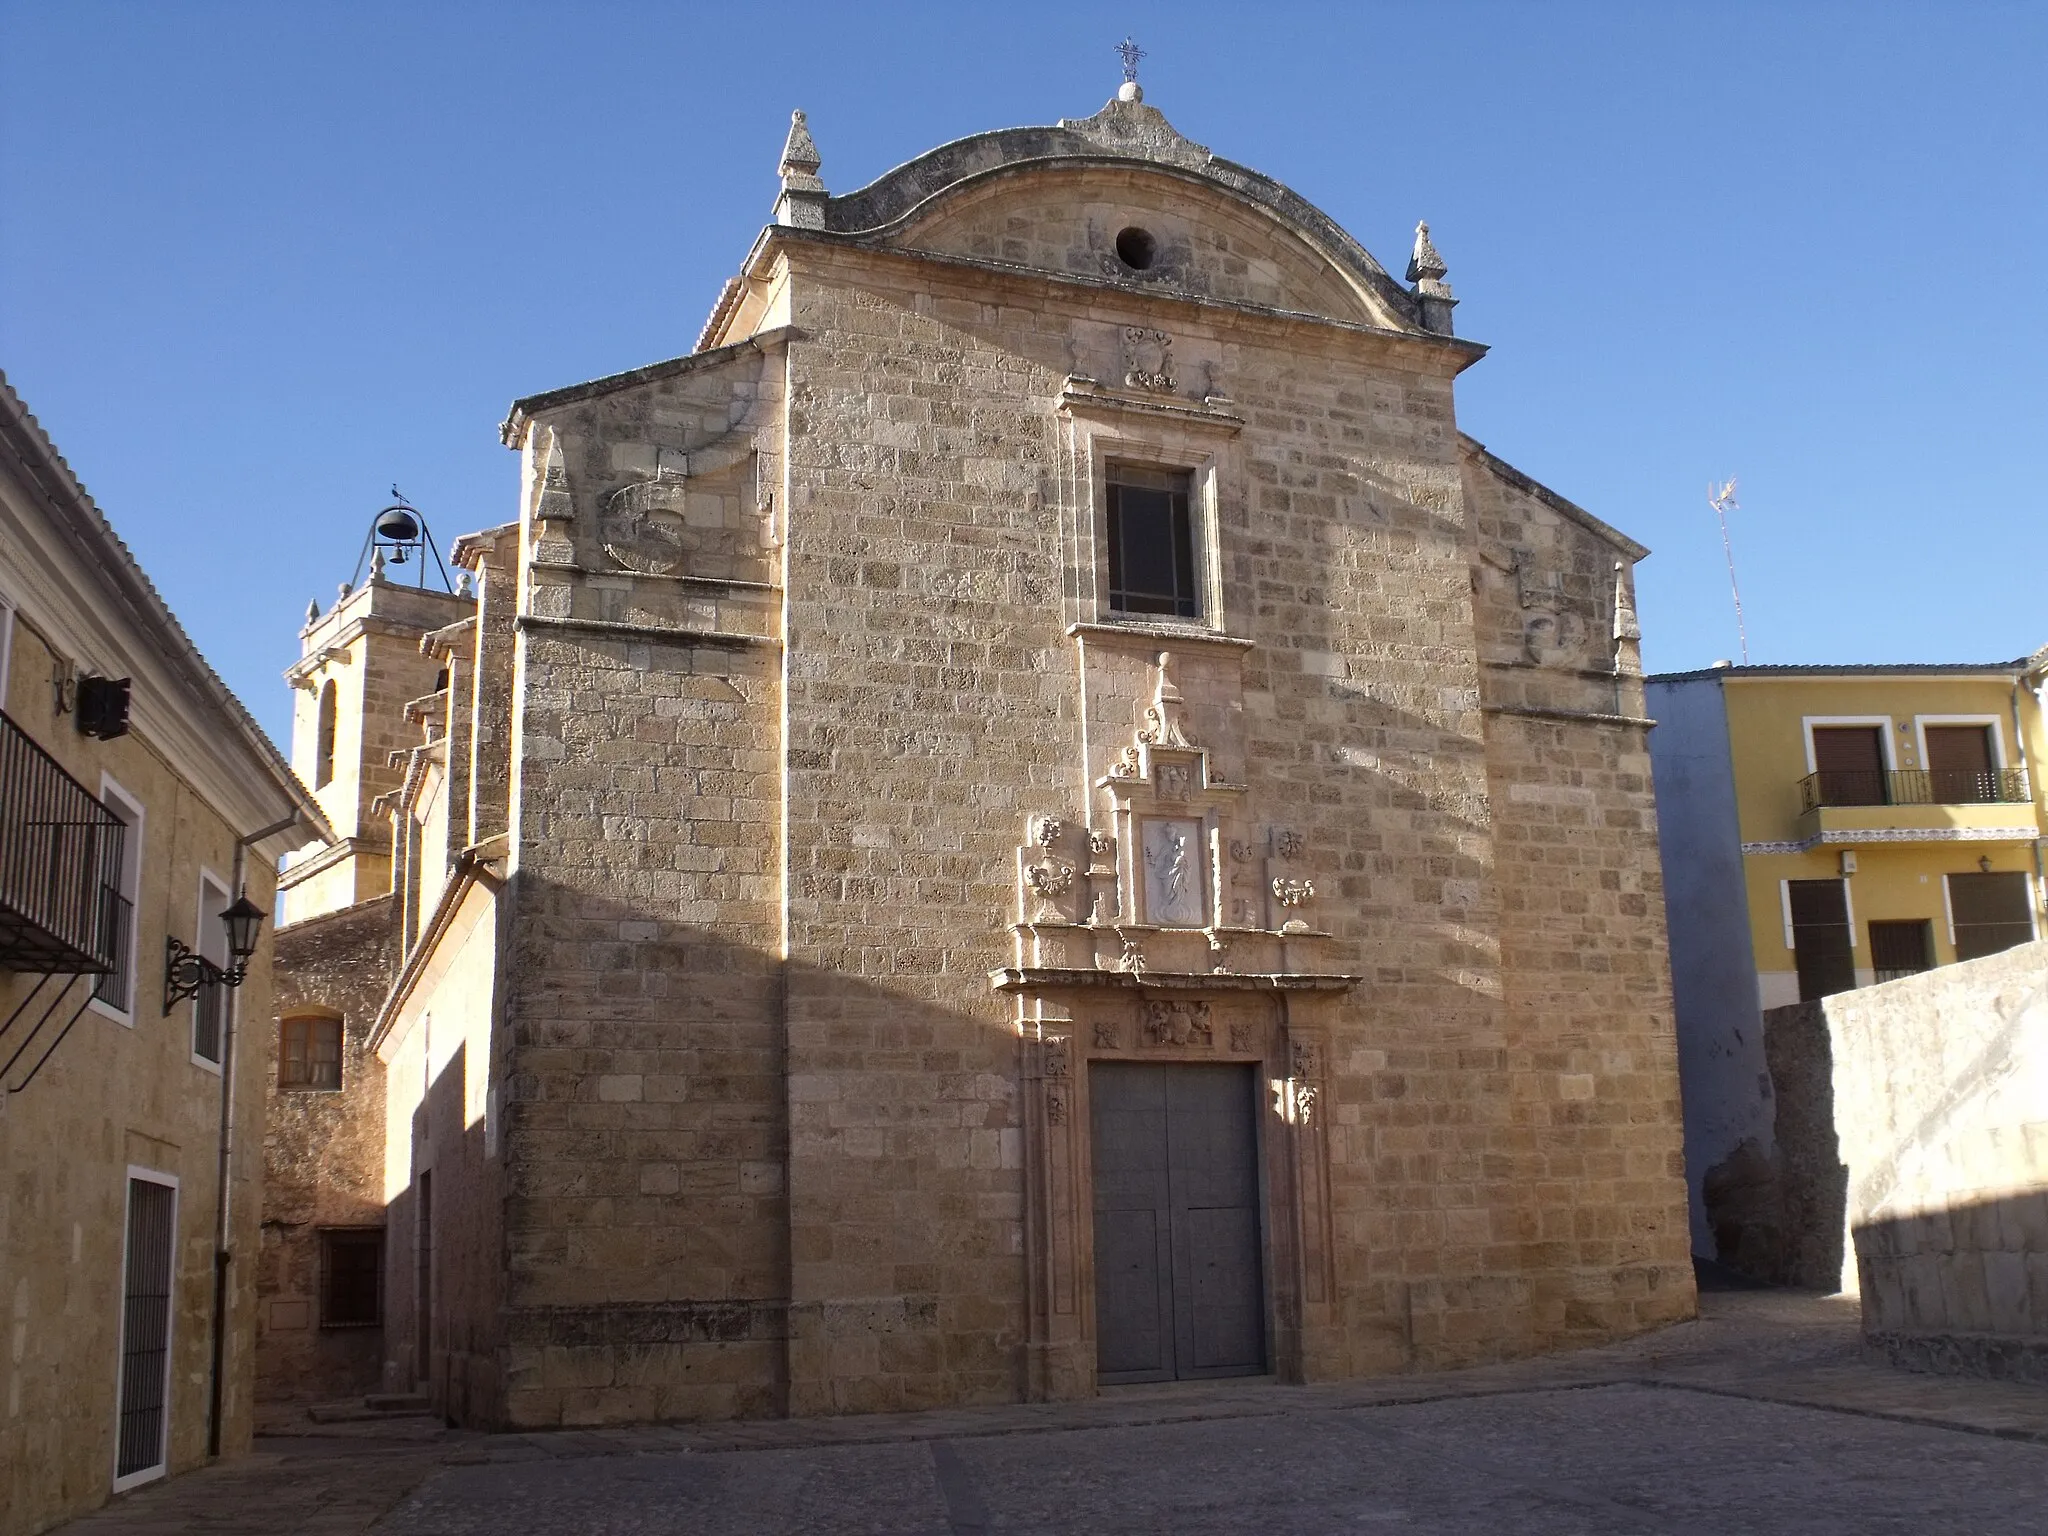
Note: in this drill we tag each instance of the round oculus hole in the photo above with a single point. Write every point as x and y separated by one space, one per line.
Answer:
1136 249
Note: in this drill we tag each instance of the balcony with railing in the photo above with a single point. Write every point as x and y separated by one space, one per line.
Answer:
1914 786
60 866
1912 804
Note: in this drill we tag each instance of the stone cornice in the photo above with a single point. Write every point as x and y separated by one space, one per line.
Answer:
470 870
660 634
1081 396
1503 470
334 853
717 583
1149 636
513 430
1013 978
1573 716
1454 353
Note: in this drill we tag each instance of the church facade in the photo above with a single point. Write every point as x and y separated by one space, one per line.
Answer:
1029 815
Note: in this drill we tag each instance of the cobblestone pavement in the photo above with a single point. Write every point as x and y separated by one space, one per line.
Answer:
1761 1417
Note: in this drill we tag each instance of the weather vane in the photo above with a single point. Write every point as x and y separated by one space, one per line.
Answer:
1131 54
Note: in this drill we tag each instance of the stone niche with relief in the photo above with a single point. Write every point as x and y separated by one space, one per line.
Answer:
1171 874
1166 922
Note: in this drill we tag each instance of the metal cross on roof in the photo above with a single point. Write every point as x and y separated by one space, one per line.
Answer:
1131 54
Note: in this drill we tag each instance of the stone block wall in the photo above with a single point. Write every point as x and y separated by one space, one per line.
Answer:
120 1090
811 635
323 1153
645 1218
1937 1096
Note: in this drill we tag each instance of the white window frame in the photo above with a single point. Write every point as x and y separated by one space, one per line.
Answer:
1848 905
6 644
131 887
1883 722
1921 722
151 1473
210 941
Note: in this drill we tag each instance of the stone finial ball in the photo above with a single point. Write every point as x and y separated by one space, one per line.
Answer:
1130 90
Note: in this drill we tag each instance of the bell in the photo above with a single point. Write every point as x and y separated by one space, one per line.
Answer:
396 525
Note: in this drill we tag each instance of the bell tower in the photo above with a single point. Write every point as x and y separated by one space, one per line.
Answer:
361 683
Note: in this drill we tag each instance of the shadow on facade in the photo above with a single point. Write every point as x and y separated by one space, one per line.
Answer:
701 1184
1961 1290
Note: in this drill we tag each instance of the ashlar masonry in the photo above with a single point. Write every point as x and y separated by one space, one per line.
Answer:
1032 813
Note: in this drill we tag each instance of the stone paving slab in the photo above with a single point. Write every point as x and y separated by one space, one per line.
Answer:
1782 1378
1585 1461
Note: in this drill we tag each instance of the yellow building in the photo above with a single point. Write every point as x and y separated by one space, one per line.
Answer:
1826 828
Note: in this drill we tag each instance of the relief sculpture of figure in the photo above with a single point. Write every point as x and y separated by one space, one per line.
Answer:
1173 893
1173 867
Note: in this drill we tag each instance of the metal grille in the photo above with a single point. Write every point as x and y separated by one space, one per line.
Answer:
59 850
209 1019
1901 948
146 1326
113 986
351 1278
1914 786
1151 543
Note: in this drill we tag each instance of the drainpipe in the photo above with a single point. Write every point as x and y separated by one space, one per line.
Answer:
222 1255
2019 746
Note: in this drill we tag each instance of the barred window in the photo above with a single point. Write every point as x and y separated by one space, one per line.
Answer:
351 1277
309 1054
1151 542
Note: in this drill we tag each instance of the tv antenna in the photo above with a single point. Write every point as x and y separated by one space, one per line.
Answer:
1722 499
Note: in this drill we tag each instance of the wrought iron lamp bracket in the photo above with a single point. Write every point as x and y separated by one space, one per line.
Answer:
186 971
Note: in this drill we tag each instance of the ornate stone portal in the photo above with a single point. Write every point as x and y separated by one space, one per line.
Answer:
1167 927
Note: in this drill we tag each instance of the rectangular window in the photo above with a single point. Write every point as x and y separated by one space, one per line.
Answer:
1849 761
1989 913
147 1275
114 992
1821 946
1152 561
1961 768
1901 948
351 1277
309 1055
210 1007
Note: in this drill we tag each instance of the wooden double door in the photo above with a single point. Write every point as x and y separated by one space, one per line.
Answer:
1179 1288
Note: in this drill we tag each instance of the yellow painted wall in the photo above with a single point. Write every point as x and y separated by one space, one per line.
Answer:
1893 880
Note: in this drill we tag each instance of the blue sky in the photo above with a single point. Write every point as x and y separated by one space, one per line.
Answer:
260 261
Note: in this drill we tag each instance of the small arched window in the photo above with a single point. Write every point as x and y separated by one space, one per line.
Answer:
323 743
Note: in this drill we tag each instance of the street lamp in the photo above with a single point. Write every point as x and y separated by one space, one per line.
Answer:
186 970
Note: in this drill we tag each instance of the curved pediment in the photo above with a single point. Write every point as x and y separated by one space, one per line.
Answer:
1056 199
